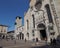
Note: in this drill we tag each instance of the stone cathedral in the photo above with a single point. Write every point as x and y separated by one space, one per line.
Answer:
41 21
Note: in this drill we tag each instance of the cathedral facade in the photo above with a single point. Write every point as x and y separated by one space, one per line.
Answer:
41 21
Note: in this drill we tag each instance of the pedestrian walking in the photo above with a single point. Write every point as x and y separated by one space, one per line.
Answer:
14 41
54 41
36 41
51 41
25 40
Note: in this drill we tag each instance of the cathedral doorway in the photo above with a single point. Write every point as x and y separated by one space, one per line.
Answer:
42 31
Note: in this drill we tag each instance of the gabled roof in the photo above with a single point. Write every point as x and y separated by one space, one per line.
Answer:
3 25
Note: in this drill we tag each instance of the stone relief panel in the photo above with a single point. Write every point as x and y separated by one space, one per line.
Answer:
39 16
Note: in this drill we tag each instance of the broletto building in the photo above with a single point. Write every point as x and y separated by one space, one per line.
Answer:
41 21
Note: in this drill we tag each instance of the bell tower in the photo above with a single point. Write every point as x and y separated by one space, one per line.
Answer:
18 21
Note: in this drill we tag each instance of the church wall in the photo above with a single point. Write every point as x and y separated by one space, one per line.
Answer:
57 8
40 16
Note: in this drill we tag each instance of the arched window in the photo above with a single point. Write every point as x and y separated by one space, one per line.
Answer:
27 24
33 21
49 13
15 23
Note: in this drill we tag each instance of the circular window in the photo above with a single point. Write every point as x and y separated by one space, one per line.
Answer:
38 4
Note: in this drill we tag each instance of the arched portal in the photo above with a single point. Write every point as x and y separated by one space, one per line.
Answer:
21 36
42 30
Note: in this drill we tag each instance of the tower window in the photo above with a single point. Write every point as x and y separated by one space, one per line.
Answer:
18 17
15 23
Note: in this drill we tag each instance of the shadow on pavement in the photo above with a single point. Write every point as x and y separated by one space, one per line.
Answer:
1 47
47 46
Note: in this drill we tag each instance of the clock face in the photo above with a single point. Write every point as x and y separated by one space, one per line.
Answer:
38 4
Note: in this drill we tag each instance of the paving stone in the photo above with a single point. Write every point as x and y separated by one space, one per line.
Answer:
28 44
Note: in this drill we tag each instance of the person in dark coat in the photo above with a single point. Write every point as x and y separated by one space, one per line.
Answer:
51 41
36 39
54 41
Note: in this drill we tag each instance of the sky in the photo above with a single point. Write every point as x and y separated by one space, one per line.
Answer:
9 9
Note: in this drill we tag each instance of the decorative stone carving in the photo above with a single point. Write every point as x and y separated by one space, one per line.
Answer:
38 4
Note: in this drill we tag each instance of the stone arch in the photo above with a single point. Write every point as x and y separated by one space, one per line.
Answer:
41 25
42 30
21 36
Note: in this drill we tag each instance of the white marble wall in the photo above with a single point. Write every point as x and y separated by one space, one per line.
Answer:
38 19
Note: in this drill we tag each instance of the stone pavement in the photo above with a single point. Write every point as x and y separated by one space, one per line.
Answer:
18 44
28 44
12 44
48 46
